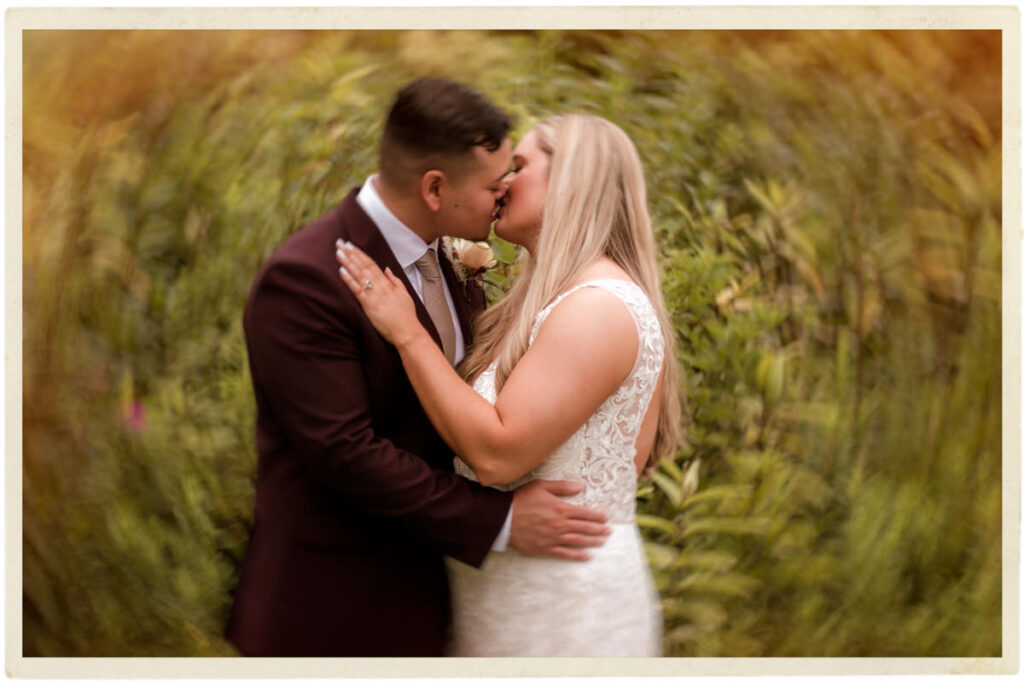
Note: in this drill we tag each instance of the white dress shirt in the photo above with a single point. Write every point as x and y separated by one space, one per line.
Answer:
407 246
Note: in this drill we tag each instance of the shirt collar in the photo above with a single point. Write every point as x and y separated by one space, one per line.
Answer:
405 244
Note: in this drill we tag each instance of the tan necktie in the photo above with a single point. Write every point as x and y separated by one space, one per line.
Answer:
435 302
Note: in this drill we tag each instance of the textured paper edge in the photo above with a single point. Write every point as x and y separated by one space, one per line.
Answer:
1006 19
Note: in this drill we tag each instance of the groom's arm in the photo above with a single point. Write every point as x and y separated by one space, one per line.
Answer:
305 352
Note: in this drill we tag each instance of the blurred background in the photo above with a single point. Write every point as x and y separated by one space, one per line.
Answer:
828 210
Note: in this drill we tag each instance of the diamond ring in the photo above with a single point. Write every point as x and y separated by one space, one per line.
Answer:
367 286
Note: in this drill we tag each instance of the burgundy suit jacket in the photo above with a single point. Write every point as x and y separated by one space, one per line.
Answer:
356 502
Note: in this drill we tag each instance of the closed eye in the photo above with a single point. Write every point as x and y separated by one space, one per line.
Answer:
511 173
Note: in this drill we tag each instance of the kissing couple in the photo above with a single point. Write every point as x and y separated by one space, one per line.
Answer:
437 478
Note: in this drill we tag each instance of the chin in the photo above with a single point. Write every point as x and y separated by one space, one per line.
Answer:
475 235
513 236
500 231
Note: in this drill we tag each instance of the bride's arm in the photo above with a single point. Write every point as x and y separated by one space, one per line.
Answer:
582 353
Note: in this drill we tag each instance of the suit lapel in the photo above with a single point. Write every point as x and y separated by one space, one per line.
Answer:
363 233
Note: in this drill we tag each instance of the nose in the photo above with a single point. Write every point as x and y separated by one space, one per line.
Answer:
503 186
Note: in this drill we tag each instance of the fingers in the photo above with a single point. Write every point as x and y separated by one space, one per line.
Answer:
571 488
575 534
364 262
392 278
350 271
351 253
587 514
561 488
353 284
589 529
345 254
569 554
360 267
353 258
579 541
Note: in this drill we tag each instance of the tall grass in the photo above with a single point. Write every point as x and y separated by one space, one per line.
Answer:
828 210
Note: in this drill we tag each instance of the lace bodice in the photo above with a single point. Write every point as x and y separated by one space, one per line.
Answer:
524 605
601 453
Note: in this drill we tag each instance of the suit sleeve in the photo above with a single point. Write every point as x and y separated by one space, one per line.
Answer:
306 357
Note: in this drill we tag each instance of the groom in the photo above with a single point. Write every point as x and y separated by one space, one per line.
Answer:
356 502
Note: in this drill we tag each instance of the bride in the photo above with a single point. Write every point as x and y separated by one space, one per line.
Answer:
573 377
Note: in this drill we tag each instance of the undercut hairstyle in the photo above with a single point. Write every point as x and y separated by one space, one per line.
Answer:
435 123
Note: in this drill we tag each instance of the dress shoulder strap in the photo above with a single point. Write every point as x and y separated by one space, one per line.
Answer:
629 293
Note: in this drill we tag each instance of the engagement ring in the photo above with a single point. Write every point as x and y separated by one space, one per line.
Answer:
367 286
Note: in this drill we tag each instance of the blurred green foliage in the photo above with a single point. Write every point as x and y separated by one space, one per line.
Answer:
829 214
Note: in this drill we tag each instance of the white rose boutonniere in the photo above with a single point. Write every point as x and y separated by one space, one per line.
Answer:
469 259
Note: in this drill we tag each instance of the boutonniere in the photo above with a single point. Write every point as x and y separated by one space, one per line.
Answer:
470 260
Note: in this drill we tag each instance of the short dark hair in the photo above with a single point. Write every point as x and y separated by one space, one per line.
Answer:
437 118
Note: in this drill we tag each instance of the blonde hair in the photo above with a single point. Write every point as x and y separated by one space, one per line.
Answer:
596 205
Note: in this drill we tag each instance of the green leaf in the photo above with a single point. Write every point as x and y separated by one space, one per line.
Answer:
670 488
705 613
824 413
656 523
718 493
770 374
692 479
776 376
707 560
672 469
764 367
660 556
736 526
731 584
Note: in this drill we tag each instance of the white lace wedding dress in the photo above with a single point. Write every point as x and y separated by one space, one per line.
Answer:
518 605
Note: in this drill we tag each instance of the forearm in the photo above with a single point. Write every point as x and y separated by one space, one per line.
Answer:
471 426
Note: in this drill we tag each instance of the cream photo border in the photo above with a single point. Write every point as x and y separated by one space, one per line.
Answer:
1005 19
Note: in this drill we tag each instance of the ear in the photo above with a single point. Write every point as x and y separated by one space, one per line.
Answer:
431 185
